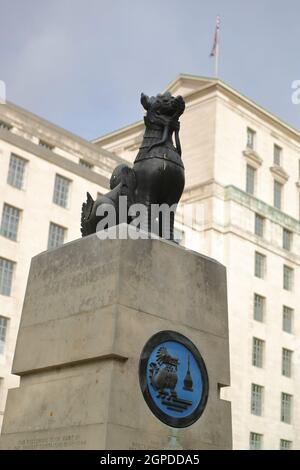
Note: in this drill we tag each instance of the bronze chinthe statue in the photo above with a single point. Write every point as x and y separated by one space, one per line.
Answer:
157 176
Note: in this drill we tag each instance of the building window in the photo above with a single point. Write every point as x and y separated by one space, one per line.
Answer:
260 265
256 399
16 171
251 136
6 273
3 331
287 319
250 179
277 155
286 408
86 164
257 352
285 445
259 307
10 222
286 362
255 441
56 236
288 275
46 145
5 126
287 238
61 191
259 225
277 194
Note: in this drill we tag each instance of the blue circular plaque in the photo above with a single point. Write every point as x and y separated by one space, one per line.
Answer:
173 379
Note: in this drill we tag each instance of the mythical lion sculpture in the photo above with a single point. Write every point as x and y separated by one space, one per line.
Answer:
157 176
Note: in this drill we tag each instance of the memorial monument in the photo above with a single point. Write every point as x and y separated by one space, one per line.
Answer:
157 177
123 342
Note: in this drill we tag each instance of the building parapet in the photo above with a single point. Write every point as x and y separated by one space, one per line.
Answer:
54 158
34 129
257 205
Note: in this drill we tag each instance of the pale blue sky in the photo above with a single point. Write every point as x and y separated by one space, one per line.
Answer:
83 63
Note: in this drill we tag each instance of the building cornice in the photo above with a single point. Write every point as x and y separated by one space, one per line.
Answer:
257 205
38 127
290 257
201 191
279 173
212 188
125 131
248 104
52 157
252 157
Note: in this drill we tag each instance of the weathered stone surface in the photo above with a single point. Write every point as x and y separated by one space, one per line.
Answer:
90 307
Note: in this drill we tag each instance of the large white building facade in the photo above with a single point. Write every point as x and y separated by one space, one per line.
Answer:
45 173
243 184
243 198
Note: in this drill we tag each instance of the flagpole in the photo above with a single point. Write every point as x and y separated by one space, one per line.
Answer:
217 48
217 61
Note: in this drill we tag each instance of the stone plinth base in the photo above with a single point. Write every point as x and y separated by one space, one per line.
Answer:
89 309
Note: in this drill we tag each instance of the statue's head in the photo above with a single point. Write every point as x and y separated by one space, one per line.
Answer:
163 108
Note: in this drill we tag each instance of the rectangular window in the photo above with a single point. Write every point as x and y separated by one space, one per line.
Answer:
285 445
260 265
255 441
256 399
16 171
287 319
250 179
277 194
3 331
286 408
6 273
277 155
287 238
46 145
5 126
10 222
61 191
286 362
288 276
259 225
86 164
259 307
56 236
251 135
258 346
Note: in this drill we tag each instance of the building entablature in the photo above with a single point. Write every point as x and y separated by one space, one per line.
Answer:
47 137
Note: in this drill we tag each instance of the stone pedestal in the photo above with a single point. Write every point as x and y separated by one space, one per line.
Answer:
89 309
